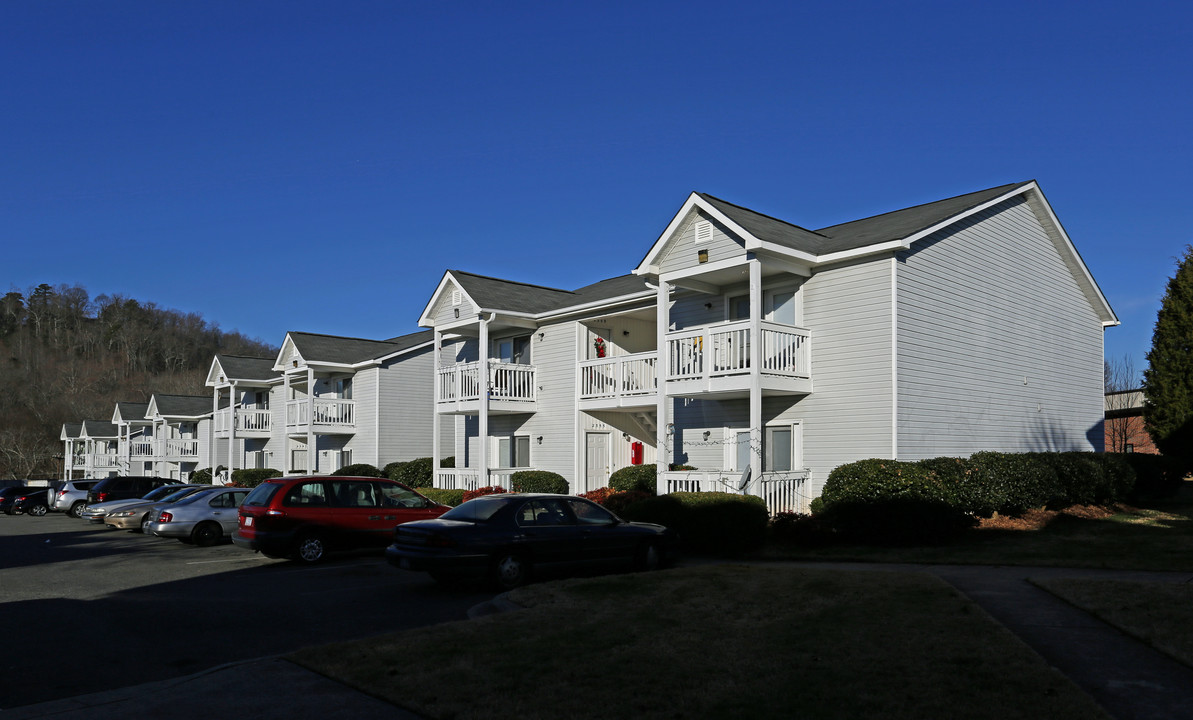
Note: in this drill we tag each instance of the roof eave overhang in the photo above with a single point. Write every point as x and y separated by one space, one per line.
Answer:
426 319
649 266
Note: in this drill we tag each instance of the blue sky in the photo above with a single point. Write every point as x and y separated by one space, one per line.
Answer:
281 166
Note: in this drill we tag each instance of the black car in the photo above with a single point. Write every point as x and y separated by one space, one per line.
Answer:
124 487
35 501
506 537
9 495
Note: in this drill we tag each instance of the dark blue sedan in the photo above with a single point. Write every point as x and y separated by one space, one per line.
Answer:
506 537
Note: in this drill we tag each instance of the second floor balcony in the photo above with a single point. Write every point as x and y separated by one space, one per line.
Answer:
510 387
716 359
323 416
247 423
626 381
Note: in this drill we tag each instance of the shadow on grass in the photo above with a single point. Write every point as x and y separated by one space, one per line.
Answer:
1157 538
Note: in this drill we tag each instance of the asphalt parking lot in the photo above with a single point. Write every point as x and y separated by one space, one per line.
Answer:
84 608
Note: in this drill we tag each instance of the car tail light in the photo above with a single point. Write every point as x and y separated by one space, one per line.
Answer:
100 497
164 517
61 493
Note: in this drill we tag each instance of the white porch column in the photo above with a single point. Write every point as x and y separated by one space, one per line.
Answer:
436 421
68 465
231 429
312 456
483 415
662 362
286 467
756 433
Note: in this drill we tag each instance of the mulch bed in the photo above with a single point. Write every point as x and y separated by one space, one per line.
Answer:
1037 519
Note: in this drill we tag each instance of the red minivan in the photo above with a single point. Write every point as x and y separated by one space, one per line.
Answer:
305 517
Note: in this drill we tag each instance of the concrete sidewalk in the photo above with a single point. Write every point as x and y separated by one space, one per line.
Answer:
1126 677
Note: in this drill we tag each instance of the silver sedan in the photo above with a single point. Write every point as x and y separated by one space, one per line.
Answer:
204 518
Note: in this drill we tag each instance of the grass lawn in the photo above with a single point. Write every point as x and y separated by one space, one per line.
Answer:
1159 538
716 641
1160 614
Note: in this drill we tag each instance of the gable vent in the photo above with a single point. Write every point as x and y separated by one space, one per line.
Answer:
457 297
703 231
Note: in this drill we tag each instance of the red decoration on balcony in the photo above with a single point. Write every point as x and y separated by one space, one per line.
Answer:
599 344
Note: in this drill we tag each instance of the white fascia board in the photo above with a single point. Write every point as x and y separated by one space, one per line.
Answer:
863 252
598 305
780 250
407 351
905 243
648 267
1109 318
279 363
425 319
214 372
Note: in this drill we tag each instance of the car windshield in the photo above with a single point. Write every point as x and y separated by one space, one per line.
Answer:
262 494
161 492
475 510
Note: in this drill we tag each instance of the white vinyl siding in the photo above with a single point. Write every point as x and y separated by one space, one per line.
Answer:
681 252
998 348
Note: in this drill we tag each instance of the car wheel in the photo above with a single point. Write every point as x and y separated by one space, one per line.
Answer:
145 522
310 548
38 510
648 557
510 570
206 534
77 509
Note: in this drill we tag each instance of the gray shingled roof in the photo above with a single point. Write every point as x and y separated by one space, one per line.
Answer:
132 410
495 294
907 222
349 351
186 406
72 430
240 367
855 234
98 429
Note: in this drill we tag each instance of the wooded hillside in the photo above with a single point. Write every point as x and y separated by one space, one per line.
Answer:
65 357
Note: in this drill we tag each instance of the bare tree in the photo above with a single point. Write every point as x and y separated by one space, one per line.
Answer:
1123 402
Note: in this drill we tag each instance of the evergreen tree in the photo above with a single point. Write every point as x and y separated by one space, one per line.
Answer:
1168 380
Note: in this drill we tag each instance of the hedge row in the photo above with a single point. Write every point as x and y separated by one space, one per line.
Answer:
252 477
441 495
707 522
415 473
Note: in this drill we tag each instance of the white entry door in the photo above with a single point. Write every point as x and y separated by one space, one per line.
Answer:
596 460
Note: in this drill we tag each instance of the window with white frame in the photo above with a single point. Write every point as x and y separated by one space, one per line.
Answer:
513 451
782 446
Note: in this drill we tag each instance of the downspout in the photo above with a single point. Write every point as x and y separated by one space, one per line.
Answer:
312 457
484 380
231 429
436 348
661 362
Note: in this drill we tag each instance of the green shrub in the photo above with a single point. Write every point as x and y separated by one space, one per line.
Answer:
442 496
417 472
639 478
359 470
800 529
252 477
897 520
1156 477
876 479
707 522
1008 483
538 481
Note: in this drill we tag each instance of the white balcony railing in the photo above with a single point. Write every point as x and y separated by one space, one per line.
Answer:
247 421
470 478
103 460
322 413
720 350
506 381
618 377
782 491
141 448
179 448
